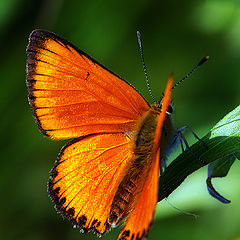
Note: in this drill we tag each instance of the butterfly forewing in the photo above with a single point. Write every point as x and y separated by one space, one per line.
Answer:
72 95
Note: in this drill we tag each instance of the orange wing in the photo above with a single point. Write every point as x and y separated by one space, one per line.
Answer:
86 176
139 220
72 95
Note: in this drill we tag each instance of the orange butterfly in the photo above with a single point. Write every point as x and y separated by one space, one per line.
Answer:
109 172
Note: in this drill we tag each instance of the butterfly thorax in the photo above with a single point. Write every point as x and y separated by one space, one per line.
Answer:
146 132
132 184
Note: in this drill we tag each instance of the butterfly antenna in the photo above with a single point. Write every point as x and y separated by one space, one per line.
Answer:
144 66
193 70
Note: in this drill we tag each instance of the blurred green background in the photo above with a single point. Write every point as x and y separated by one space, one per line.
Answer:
176 35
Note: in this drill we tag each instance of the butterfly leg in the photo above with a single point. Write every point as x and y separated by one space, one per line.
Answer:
183 140
181 143
193 133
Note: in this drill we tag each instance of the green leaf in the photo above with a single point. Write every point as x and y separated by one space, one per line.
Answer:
220 167
223 142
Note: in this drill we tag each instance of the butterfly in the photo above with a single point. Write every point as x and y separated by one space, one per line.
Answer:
108 174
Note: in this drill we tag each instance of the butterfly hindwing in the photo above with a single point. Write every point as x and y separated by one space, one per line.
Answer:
85 178
72 95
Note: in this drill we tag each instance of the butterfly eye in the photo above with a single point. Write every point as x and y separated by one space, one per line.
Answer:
170 109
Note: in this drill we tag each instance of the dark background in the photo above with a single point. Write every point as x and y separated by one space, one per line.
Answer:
176 35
